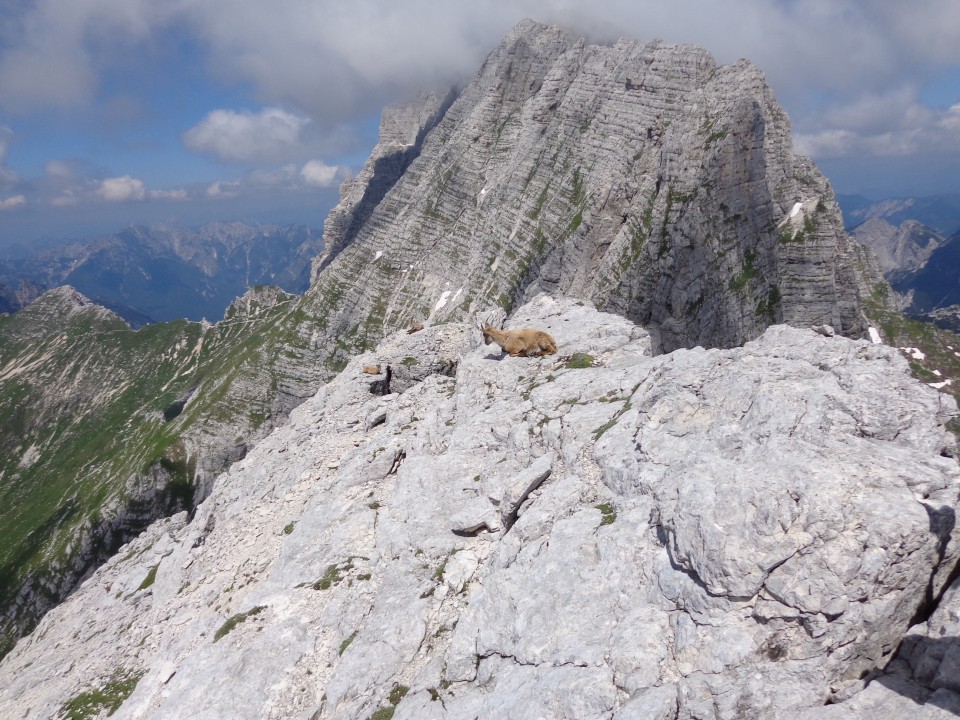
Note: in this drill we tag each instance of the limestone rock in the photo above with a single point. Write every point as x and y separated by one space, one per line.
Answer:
641 176
736 533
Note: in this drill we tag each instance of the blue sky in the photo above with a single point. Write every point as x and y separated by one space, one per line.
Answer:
115 112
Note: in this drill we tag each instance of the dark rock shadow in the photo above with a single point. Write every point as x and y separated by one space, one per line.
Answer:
927 671
387 171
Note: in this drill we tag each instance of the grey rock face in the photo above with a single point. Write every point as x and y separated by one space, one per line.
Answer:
642 176
702 534
900 249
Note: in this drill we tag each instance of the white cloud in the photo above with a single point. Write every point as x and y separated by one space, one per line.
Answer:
319 174
831 63
121 189
887 124
13 202
270 135
178 194
54 51
335 60
221 189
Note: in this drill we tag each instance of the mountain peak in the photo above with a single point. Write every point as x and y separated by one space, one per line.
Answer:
640 176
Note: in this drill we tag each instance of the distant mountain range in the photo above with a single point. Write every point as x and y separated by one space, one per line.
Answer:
939 212
917 244
164 273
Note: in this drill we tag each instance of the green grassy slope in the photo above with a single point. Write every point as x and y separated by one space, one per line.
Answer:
95 443
939 358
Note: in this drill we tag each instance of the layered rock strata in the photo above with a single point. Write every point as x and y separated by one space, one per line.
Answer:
641 176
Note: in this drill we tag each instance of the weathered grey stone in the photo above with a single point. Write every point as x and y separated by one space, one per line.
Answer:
641 176
741 533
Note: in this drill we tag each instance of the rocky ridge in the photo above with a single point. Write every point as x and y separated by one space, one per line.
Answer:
901 249
734 533
641 176
106 429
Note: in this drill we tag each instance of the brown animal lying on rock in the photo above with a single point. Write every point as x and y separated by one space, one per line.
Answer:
522 342
371 369
414 327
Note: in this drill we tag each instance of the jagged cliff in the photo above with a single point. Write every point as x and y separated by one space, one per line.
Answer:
705 534
641 177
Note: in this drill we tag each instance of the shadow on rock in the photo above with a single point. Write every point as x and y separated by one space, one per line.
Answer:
927 670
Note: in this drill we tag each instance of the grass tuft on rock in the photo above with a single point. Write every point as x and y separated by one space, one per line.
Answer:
235 620
150 578
608 514
109 697
579 361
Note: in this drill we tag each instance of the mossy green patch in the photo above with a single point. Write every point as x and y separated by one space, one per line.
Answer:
330 578
607 513
397 693
235 620
747 272
346 643
578 361
109 697
150 578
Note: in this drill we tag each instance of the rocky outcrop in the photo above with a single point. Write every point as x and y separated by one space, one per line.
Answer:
717 533
901 249
641 176
403 128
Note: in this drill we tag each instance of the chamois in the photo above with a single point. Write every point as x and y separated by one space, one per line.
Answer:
522 342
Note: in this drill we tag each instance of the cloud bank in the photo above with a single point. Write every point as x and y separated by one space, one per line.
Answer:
241 137
854 77
333 61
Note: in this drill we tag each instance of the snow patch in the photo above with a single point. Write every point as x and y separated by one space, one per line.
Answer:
29 457
442 301
939 385
797 207
874 336
915 353
377 256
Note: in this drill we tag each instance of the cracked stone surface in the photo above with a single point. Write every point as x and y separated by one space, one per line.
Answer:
719 534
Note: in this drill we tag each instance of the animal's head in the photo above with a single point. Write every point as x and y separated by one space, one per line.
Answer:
485 329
